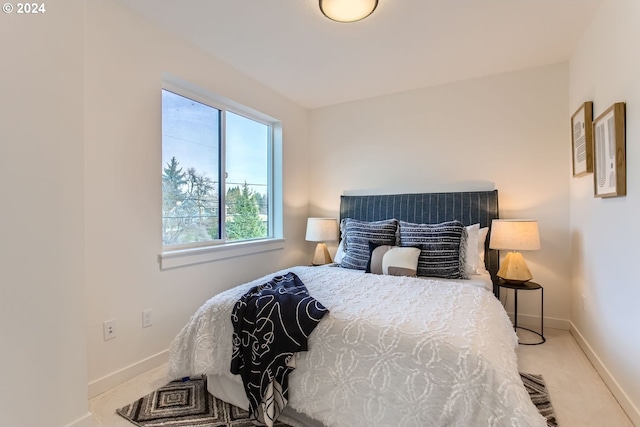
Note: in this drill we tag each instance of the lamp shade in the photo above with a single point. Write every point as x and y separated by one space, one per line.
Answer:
347 10
321 229
515 235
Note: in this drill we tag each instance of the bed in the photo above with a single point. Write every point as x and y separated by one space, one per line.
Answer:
393 350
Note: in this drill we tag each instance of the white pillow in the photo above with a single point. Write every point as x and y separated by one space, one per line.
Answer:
482 236
339 252
472 249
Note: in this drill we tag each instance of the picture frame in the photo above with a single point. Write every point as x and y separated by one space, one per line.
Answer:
609 152
582 139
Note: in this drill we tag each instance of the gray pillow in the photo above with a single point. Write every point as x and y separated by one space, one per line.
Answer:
443 248
357 235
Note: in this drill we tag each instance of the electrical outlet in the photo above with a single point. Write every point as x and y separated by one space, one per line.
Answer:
109 329
584 302
146 318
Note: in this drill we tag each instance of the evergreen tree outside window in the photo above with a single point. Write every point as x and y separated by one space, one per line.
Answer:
216 173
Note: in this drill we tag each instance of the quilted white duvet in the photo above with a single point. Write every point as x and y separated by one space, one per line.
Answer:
393 351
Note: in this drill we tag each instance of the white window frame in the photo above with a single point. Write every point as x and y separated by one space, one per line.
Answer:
174 256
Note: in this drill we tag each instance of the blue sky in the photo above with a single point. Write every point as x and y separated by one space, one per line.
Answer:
189 132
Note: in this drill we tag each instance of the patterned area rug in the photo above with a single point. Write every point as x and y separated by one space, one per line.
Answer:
188 404
185 404
540 396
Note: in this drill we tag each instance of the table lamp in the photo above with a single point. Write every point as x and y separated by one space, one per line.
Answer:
321 230
514 235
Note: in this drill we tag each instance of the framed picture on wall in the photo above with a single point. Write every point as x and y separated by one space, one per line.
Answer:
609 151
582 139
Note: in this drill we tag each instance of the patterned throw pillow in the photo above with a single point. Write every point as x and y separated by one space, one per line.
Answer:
357 235
443 252
393 260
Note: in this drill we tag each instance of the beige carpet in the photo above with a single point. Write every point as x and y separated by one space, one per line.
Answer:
580 397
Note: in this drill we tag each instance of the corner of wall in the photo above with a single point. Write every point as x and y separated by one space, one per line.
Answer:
627 405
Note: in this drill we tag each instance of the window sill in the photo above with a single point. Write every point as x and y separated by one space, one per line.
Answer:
184 257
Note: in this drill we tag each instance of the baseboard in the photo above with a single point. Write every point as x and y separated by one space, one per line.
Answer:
627 405
116 378
533 322
85 421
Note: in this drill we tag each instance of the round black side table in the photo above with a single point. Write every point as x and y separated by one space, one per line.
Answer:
526 286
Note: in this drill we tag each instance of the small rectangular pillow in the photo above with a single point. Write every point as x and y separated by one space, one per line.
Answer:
393 260
443 252
357 235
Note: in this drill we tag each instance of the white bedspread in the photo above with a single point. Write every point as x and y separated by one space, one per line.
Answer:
393 351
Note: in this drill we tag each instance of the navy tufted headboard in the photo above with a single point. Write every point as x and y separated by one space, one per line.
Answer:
429 208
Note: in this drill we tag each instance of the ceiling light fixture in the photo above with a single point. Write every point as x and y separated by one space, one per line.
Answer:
347 10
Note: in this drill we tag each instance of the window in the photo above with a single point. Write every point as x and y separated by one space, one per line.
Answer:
217 172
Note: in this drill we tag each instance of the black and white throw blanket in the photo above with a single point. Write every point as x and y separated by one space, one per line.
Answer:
271 323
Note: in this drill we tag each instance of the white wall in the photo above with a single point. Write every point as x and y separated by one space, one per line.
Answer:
125 61
605 68
42 300
509 131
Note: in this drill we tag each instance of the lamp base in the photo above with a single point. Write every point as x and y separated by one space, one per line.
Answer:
513 269
321 256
